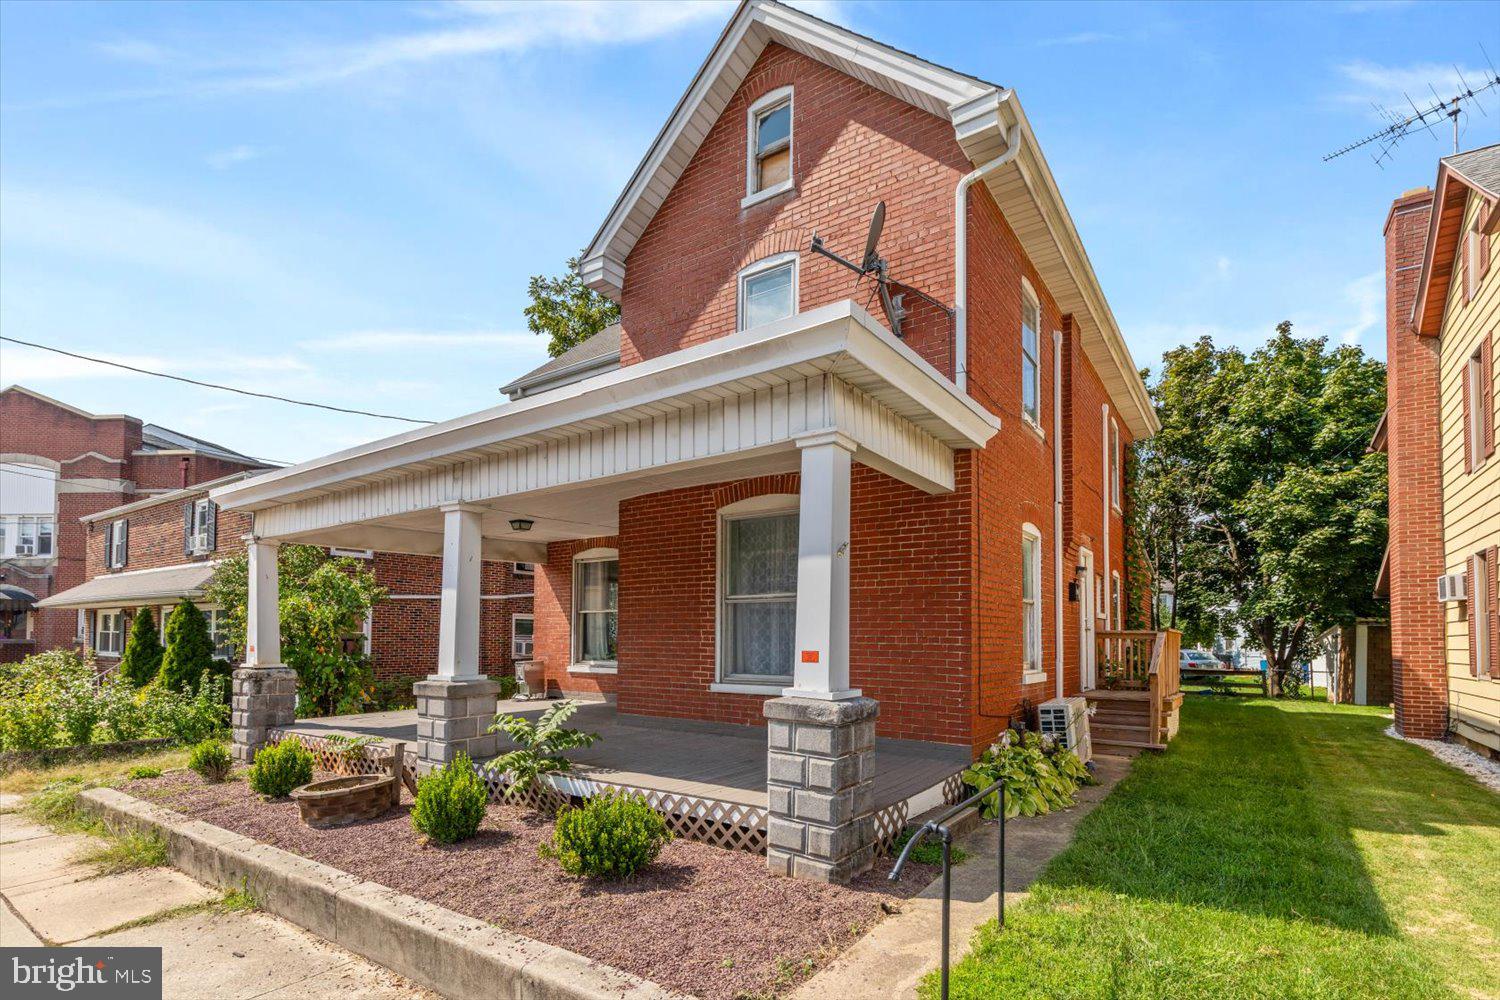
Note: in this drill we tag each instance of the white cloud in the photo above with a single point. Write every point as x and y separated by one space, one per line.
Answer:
136 50
1366 297
1396 87
223 159
1222 266
1080 38
392 340
28 364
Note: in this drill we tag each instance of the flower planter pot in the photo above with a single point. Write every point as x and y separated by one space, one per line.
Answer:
340 801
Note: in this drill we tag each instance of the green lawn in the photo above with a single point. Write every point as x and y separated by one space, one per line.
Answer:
1275 850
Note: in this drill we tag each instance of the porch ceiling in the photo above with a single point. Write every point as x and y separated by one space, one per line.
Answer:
565 458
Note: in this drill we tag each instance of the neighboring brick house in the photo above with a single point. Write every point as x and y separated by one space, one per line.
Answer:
1440 428
162 550
764 498
59 463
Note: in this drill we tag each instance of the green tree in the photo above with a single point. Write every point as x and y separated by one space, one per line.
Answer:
324 601
143 651
1261 504
190 650
566 311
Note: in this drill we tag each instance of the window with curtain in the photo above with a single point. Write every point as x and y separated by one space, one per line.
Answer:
596 594
758 612
1031 602
1031 357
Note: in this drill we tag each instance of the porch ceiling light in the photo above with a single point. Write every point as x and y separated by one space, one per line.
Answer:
521 524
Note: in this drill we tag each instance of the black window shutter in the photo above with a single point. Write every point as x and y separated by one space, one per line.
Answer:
213 525
187 528
109 545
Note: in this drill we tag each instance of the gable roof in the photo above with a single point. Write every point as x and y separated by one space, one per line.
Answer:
985 117
1477 171
601 352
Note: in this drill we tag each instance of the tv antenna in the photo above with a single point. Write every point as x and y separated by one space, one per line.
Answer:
1401 125
873 263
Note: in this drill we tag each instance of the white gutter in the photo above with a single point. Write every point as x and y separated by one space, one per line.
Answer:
961 255
1057 499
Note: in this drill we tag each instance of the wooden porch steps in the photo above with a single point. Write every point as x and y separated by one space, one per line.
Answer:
1122 721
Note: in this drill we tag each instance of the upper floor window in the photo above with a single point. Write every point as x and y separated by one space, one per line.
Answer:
1474 256
33 537
1116 470
768 290
758 590
1479 405
1031 355
116 543
768 161
198 520
1031 601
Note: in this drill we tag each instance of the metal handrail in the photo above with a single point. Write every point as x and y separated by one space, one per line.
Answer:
945 835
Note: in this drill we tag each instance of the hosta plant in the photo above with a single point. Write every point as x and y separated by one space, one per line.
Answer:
1040 775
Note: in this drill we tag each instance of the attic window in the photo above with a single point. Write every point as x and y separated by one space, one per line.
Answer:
769 147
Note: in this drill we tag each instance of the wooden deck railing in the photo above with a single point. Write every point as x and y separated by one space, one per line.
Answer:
1139 660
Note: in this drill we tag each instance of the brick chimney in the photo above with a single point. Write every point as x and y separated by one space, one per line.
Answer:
1418 665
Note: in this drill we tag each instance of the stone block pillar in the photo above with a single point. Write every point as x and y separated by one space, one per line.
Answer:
819 782
452 716
264 690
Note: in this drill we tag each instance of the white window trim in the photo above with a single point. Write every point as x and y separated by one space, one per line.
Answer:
765 103
1474 376
577 665
118 550
1028 675
1028 293
520 656
769 503
200 526
352 553
516 569
1479 612
83 625
1116 602
1117 466
119 614
761 266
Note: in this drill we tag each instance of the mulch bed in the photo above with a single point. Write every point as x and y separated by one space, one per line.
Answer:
704 920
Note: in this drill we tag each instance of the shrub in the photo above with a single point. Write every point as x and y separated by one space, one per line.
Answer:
609 836
450 802
280 767
125 712
141 660
212 761
29 722
80 707
143 772
187 719
509 685
190 651
57 666
540 746
1040 775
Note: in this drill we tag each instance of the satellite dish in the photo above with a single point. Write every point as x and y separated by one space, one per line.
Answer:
877 222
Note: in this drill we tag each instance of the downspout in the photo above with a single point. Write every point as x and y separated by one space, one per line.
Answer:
1057 499
961 255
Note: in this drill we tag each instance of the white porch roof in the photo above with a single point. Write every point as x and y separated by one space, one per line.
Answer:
565 458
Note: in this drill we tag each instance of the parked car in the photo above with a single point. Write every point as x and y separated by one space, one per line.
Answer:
1197 659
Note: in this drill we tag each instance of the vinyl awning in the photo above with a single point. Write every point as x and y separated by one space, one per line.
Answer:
16 598
145 586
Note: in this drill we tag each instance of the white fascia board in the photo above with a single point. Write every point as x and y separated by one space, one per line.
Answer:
823 338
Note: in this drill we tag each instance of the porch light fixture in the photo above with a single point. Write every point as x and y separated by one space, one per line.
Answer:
521 524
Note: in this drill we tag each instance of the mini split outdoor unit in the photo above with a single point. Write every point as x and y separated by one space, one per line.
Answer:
1067 721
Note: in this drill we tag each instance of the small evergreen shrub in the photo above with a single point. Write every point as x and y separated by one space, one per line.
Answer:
142 772
190 651
280 767
143 651
450 802
609 836
212 761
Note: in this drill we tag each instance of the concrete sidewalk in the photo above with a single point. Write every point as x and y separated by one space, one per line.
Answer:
891 960
48 898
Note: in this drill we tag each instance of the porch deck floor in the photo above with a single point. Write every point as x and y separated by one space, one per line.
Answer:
706 759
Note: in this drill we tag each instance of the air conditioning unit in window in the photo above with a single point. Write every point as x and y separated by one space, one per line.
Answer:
1453 587
1067 721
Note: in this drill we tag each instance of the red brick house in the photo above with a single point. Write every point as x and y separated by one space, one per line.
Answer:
163 549
58 464
765 498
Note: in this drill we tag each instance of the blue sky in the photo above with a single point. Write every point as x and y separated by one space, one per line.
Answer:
343 202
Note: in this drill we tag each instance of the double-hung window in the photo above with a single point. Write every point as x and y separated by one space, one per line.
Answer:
1479 405
768 161
218 633
596 598
1031 356
118 544
522 630
200 533
768 290
1031 599
108 632
758 596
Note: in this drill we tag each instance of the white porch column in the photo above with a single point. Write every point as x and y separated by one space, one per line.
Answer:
820 666
458 608
263 611
264 690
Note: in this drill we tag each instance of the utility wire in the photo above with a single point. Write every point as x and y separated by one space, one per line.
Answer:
211 385
74 486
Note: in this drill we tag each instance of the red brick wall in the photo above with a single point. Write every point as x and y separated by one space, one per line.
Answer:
155 539
852 146
553 643
1418 671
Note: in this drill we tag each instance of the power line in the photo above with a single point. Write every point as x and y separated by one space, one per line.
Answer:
74 485
212 385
